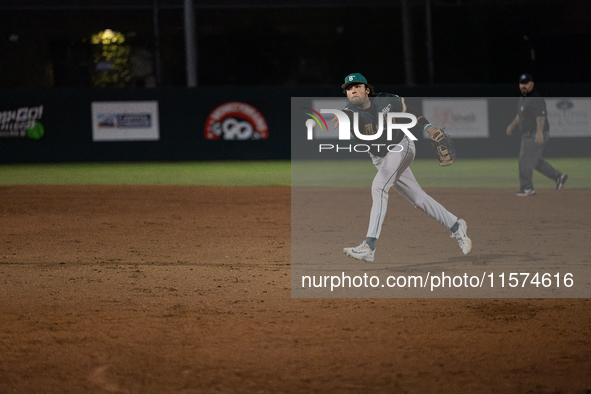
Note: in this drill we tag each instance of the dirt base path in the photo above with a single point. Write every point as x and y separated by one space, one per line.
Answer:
165 289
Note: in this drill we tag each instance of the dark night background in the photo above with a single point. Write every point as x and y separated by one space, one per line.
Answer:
286 43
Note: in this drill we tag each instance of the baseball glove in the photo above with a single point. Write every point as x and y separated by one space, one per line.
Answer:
444 148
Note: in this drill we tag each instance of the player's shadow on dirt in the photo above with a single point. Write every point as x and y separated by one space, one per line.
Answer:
486 259
472 260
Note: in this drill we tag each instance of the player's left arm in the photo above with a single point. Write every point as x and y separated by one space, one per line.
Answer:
422 122
444 148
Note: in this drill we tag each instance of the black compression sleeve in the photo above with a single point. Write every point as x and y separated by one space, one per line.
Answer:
421 120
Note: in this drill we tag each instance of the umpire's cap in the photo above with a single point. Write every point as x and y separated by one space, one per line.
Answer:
353 78
525 78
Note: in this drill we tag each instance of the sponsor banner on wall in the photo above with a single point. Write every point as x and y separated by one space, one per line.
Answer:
125 121
569 117
22 122
461 117
236 121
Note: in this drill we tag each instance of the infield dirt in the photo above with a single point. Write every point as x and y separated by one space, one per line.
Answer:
162 289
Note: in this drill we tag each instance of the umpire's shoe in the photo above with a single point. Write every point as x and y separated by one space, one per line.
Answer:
361 252
461 235
561 181
525 193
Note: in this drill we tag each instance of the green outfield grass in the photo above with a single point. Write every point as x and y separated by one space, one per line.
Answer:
229 173
476 173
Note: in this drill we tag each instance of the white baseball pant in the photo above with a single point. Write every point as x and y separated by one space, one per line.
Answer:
394 171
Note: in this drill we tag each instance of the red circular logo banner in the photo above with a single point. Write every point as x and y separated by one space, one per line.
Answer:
236 121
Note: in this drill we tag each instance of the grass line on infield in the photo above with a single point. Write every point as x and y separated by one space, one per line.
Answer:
465 173
237 173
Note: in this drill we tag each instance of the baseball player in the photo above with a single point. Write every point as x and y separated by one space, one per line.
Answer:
535 131
394 166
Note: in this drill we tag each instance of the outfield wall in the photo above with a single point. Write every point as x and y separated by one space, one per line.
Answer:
213 123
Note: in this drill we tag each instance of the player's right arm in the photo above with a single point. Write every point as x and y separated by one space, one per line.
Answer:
512 125
335 120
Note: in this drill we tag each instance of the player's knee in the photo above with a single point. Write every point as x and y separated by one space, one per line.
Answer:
420 201
379 187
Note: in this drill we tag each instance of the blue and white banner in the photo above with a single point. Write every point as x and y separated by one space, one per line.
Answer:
569 117
125 121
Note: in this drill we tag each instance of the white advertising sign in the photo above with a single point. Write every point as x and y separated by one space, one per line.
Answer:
125 121
569 117
461 117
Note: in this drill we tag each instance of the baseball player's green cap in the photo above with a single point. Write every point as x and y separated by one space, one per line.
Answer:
354 78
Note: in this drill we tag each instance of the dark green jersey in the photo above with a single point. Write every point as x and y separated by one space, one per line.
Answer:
369 121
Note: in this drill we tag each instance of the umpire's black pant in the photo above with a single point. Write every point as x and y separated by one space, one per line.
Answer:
530 158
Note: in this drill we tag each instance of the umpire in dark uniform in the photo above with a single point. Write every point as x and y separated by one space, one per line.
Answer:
533 124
